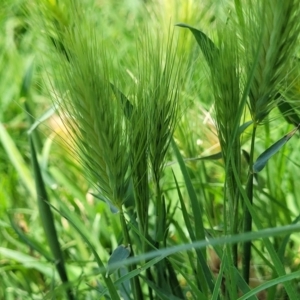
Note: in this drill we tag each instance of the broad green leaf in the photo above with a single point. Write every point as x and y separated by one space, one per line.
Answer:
271 151
118 256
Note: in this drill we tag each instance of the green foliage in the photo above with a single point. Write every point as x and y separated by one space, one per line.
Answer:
158 166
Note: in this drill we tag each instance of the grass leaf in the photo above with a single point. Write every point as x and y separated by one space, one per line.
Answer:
271 151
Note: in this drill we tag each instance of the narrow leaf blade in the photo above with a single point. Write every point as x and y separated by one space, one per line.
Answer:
208 48
271 151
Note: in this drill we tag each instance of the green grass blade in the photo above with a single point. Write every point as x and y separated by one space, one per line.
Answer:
45 116
28 261
271 283
271 151
87 237
196 206
127 106
288 113
133 273
26 83
48 221
17 160
208 48
197 213
29 241
226 240
269 246
281 250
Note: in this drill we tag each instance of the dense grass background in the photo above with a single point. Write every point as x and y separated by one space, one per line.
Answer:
86 226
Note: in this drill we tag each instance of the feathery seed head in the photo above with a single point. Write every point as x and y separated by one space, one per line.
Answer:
95 113
270 42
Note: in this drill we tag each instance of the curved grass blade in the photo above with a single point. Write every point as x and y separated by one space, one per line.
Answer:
271 151
27 261
208 48
133 273
244 126
270 283
282 248
46 115
225 240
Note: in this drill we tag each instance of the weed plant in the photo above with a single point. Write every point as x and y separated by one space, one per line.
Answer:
145 161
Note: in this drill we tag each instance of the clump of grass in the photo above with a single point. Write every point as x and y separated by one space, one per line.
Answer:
121 112
116 135
248 64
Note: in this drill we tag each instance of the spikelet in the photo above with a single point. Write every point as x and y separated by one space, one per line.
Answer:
269 46
94 114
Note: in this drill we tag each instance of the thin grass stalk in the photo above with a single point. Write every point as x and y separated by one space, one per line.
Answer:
139 161
86 236
246 259
204 277
48 223
135 283
276 26
278 266
225 76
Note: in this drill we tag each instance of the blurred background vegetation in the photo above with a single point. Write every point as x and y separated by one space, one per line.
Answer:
24 98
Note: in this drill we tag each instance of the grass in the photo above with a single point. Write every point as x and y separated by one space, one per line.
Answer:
142 160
